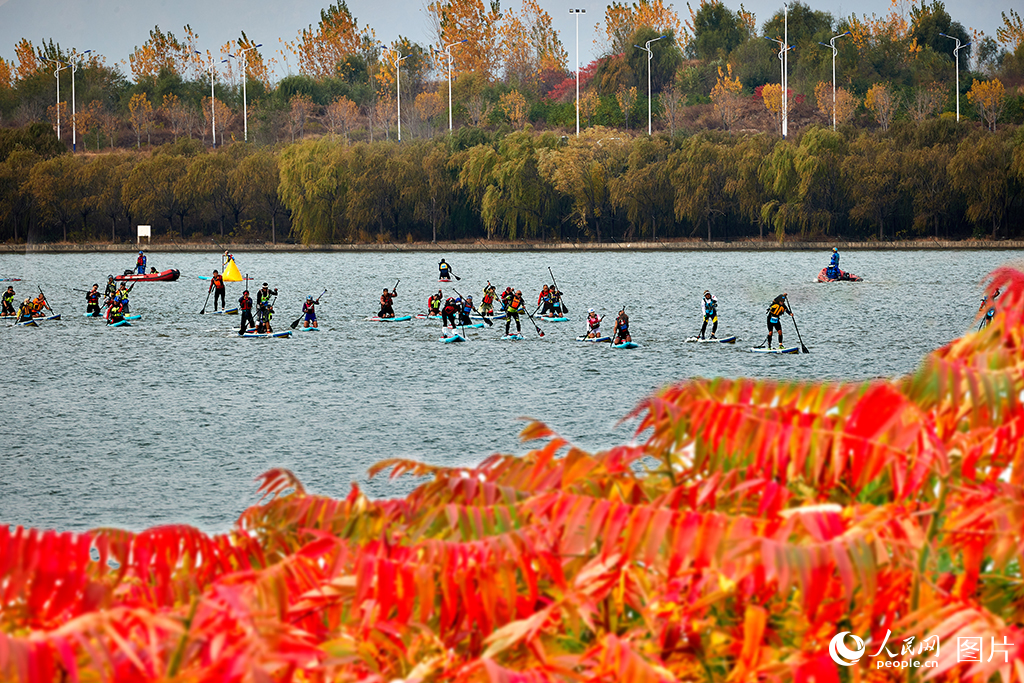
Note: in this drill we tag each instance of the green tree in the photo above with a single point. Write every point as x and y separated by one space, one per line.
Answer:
54 187
980 170
253 184
374 198
699 174
927 22
927 180
148 191
205 187
314 185
645 190
717 31
872 171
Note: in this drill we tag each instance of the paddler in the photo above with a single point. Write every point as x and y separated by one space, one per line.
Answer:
464 310
7 302
487 305
506 296
386 299
25 311
778 306
557 309
444 271
544 300
991 312
709 307
832 271
39 303
264 309
245 306
309 312
621 328
514 306
228 258
448 313
434 303
140 263
122 296
92 300
217 287
111 287
593 324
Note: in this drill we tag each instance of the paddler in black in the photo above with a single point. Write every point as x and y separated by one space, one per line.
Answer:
117 312
111 289
621 328
92 299
448 313
710 308
264 309
445 271
386 311
556 302
434 303
512 309
245 306
217 287
8 302
775 311
465 308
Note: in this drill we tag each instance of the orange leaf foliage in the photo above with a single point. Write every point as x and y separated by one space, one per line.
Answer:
747 524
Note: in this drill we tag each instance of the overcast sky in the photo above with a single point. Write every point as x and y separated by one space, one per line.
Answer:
114 27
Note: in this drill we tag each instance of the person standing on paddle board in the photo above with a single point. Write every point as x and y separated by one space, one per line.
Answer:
309 312
487 305
92 300
448 313
386 299
778 306
444 271
621 328
264 310
8 302
245 306
140 263
710 310
513 308
111 289
544 300
434 303
217 287
832 271
465 308
122 296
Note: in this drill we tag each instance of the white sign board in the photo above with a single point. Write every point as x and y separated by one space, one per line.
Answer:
144 232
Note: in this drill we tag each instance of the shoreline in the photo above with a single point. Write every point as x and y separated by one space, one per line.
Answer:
481 246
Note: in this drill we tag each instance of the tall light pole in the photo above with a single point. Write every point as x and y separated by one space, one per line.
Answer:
245 106
785 71
650 56
956 54
835 51
448 50
56 74
782 81
398 84
74 114
213 110
577 12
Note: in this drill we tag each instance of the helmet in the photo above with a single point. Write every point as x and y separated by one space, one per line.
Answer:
265 284
706 293
309 298
140 251
110 277
834 249
590 310
245 292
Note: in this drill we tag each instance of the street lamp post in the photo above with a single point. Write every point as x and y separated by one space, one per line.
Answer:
245 106
56 74
835 51
213 111
650 56
448 50
74 114
398 84
577 12
956 54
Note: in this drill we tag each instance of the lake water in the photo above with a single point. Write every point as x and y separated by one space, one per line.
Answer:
169 421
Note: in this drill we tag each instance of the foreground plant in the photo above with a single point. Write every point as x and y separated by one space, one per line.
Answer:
755 530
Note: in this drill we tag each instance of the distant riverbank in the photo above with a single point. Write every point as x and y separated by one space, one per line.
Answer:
484 246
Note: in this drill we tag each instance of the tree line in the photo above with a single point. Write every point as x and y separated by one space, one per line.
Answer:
916 179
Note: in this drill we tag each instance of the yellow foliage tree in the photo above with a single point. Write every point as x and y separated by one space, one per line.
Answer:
893 26
926 100
473 22
321 51
988 97
589 102
513 104
726 96
621 20
626 97
6 74
1011 33
161 51
341 115
845 103
28 61
255 66
140 112
530 44
56 113
883 102
771 95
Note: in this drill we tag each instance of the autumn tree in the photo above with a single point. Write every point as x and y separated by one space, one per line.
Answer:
163 51
988 98
428 106
622 19
322 51
341 115
626 99
28 62
474 22
140 113
842 109
514 106
672 105
884 102
726 96
301 107
771 96
925 100
1012 31
530 45
589 102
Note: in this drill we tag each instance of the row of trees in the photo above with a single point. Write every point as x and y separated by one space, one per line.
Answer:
932 178
512 68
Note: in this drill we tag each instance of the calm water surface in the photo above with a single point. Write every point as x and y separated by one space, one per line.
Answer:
168 421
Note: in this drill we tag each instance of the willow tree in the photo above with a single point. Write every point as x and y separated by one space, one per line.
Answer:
314 183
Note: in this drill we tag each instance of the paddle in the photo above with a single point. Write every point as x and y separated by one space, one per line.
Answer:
45 302
802 347
485 318
540 332
207 300
561 303
297 320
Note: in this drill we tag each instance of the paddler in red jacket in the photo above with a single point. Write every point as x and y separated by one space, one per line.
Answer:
514 306
217 287
245 306
386 311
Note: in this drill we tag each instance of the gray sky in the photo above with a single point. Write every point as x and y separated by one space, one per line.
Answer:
115 27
